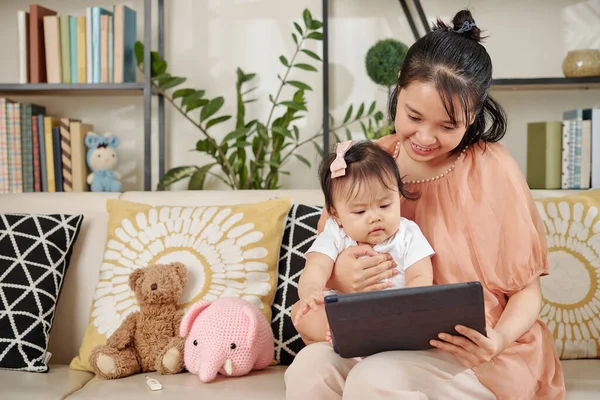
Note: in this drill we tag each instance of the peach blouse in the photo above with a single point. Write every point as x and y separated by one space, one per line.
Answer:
483 224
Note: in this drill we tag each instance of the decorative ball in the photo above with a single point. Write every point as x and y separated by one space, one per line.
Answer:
384 59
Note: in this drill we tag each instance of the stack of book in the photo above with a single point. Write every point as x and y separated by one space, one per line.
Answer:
40 152
97 47
565 154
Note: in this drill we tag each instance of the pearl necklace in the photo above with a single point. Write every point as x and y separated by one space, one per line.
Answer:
446 172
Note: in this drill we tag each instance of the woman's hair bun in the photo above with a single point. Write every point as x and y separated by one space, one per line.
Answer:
462 24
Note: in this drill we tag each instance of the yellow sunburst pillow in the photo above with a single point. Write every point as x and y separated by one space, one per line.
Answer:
571 292
228 250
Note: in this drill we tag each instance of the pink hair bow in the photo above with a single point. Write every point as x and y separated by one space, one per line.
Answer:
338 166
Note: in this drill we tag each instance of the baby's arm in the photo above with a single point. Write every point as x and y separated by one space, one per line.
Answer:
308 314
420 273
317 271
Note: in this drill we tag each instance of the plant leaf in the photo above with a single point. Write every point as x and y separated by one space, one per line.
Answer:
299 85
311 54
211 108
282 131
235 134
217 120
296 133
250 90
360 111
159 67
284 172
298 29
206 146
378 116
307 17
372 108
139 52
348 134
197 180
174 81
193 96
294 105
196 104
318 148
306 67
315 35
262 131
284 61
348 114
182 93
364 128
241 144
295 38
176 174
315 24
304 160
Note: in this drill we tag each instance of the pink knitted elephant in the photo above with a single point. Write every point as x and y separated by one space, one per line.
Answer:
228 335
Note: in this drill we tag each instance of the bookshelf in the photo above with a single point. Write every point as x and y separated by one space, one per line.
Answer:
585 83
504 84
143 88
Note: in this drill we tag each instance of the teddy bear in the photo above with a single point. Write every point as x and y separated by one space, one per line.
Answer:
101 158
148 339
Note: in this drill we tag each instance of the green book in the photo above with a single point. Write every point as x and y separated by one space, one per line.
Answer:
65 48
544 155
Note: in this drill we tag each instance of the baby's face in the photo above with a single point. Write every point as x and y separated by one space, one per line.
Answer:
370 217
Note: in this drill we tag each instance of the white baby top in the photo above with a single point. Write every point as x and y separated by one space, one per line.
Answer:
406 247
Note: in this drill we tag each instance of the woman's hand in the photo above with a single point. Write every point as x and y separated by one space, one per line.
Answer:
352 273
471 353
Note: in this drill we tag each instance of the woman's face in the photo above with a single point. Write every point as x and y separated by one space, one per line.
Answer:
423 125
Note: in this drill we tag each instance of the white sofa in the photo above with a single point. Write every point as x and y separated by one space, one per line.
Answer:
582 376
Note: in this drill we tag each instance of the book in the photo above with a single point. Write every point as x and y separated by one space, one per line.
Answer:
124 38
52 41
544 153
23 35
37 47
65 47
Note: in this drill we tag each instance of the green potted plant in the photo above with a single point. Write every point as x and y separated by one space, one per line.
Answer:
254 153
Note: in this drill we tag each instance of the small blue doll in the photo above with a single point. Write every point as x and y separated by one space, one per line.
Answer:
102 160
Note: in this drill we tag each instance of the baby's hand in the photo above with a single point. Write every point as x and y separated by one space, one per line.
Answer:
309 300
328 336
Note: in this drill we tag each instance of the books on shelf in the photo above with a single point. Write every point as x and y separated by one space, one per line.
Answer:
565 154
41 152
95 47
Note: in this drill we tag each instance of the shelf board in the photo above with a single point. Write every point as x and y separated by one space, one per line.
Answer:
74 89
584 83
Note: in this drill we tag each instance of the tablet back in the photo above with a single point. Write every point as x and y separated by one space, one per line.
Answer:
363 324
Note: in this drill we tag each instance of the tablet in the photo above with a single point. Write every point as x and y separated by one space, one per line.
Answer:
363 324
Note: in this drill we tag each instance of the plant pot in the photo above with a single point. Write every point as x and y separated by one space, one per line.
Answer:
583 62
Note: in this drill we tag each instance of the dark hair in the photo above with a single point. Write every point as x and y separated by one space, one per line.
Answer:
459 67
365 162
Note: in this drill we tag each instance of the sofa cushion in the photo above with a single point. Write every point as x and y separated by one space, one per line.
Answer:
57 384
228 250
35 251
299 234
571 292
267 384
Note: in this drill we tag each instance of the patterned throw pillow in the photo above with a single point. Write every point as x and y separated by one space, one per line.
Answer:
34 256
571 292
300 232
228 251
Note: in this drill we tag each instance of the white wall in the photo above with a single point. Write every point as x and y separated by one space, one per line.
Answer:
206 40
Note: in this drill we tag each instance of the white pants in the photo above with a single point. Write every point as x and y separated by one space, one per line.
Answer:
318 373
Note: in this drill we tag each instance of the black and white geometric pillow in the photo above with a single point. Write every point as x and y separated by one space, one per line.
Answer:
34 255
299 234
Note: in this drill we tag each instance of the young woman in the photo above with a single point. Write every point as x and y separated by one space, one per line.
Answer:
476 210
